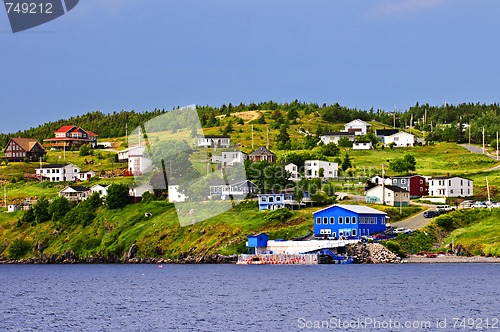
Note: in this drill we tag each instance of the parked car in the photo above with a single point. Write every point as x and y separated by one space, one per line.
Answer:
379 236
479 205
431 214
444 208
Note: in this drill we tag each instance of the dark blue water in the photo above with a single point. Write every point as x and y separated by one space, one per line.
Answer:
249 298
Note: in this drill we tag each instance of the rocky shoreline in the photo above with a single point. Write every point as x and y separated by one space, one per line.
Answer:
363 253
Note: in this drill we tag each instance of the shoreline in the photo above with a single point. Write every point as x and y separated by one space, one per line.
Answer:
416 259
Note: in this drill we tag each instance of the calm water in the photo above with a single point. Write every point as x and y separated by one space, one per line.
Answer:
247 298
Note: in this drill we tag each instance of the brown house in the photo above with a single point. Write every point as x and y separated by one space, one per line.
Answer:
19 149
68 137
262 154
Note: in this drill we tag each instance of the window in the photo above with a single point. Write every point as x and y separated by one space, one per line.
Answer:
334 234
395 181
353 231
421 181
449 182
332 220
264 198
318 221
461 182
278 199
421 189
403 181
353 220
271 199
347 220
325 220
341 221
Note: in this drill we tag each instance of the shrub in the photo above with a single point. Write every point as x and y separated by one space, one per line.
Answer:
18 248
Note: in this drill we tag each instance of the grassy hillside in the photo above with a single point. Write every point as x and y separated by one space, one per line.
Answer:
471 231
114 231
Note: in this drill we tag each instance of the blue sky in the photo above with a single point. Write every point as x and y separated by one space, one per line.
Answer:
113 55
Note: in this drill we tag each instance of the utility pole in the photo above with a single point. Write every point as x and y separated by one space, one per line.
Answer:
469 132
394 117
497 145
252 138
383 185
267 131
483 141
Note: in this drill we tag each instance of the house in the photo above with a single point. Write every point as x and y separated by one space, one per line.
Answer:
75 193
294 171
58 172
174 195
137 163
379 180
229 158
222 190
358 127
312 169
85 175
214 141
382 133
273 201
262 154
415 184
400 139
20 149
138 191
338 221
123 155
13 208
68 137
334 137
258 242
447 186
101 189
362 145
388 195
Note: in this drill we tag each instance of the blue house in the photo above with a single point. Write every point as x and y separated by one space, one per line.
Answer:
349 221
257 242
274 201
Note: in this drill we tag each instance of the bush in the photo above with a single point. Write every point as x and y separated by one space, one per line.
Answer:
394 247
18 248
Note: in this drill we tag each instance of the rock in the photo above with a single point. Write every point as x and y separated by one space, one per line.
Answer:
132 252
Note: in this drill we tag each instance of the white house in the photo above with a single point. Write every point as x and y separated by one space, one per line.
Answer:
400 139
174 195
137 192
362 145
123 155
389 195
312 169
13 207
85 175
137 163
334 137
379 180
214 141
102 190
294 172
58 172
222 190
450 187
228 158
75 193
358 127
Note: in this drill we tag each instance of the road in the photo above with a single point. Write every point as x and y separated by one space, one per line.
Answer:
415 222
479 150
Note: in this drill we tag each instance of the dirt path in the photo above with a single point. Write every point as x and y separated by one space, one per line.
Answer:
246 116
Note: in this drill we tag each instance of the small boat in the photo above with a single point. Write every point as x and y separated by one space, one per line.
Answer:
160 266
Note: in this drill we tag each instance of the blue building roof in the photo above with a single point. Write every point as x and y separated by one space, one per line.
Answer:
361 209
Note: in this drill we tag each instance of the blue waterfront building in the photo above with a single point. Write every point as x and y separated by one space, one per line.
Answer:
258 242
349 221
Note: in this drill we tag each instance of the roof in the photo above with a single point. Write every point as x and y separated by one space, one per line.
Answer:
262 151
401 133
65 129
26 143
407 176
339 133
448 177
77 188
91 133
100 185
396 189
217 182
55 165
361 209
214 136
358 121
363 142
385 132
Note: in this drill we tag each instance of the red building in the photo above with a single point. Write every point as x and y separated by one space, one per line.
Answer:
68 137
415 184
